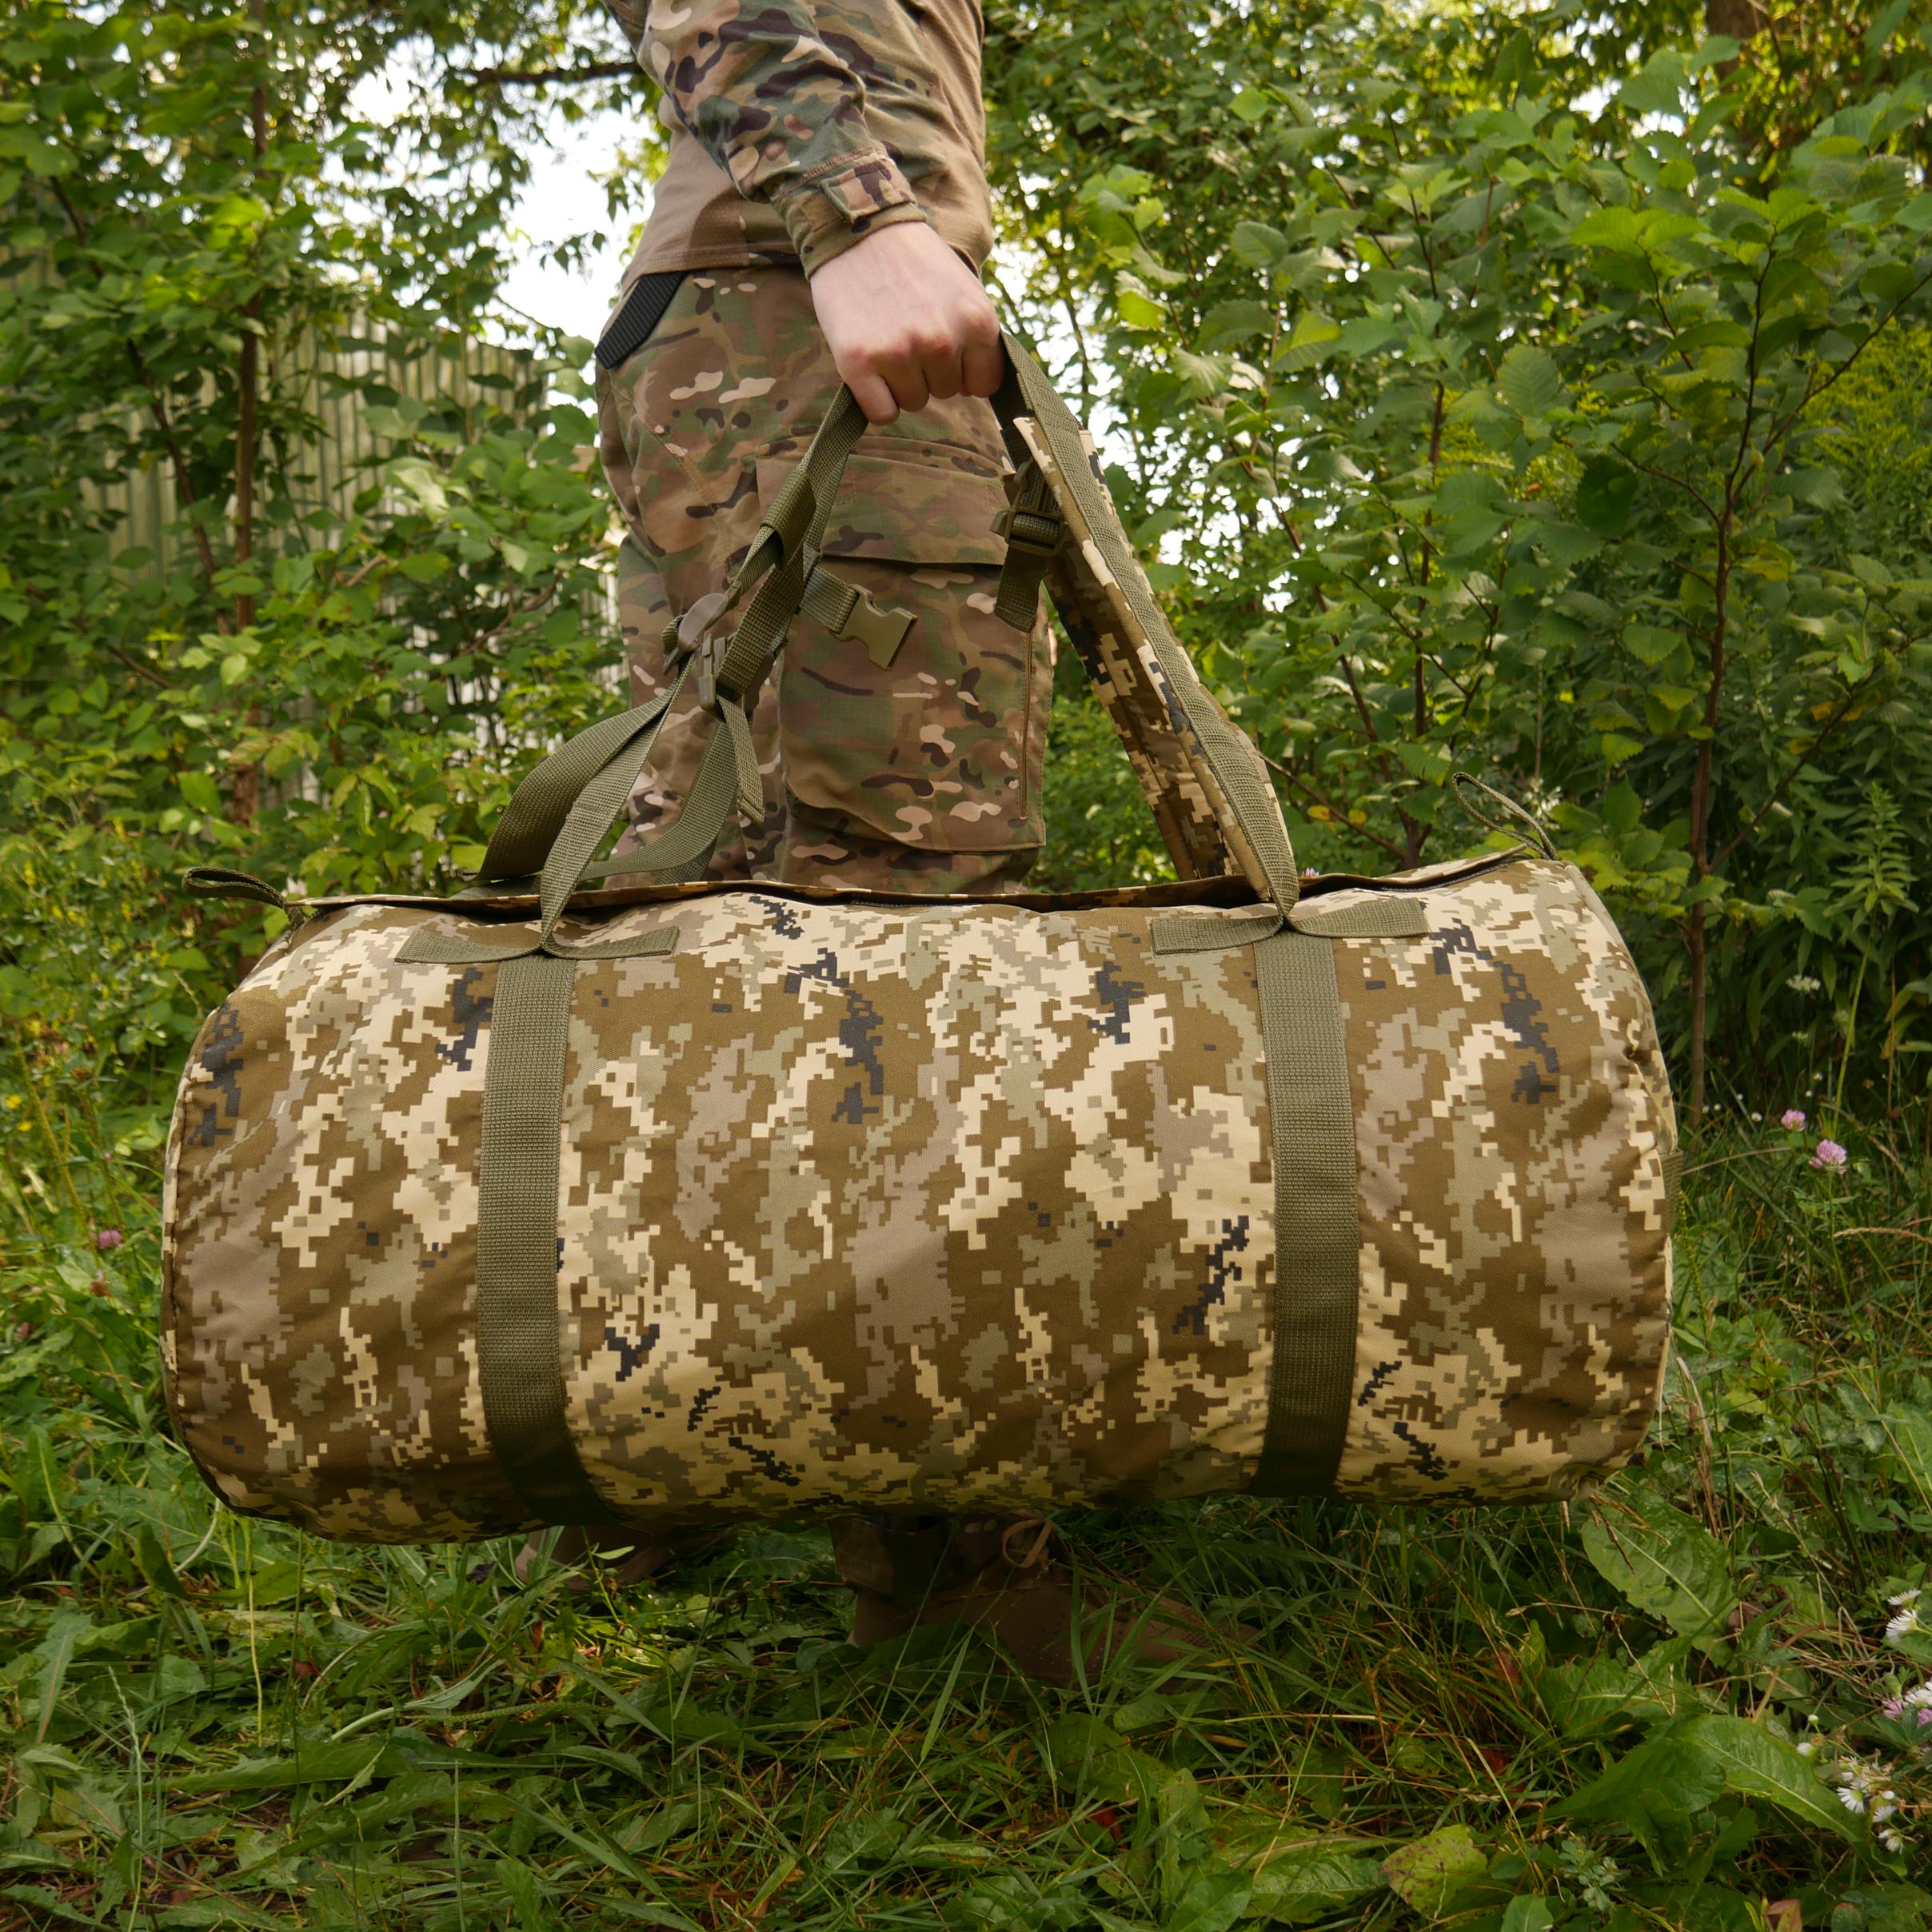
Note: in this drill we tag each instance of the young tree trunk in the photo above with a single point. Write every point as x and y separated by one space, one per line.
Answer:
1697 943
1697 936
246 800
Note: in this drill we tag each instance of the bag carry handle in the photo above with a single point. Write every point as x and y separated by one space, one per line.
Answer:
566 806
1106 582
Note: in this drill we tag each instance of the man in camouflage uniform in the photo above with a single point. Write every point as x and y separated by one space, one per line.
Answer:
824 197
824 214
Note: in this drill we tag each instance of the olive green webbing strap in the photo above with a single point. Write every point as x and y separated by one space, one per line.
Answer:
523 836
518 1350
1317 1221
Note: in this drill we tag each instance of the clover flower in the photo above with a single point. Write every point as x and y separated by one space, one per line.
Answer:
1792 1117
107 1239
1829 1156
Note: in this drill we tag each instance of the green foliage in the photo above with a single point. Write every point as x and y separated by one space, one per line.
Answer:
1479 426
335 684
1647 1711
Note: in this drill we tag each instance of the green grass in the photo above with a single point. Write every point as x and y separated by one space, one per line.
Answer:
1507 1720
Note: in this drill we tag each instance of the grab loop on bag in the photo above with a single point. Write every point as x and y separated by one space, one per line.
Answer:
1465 784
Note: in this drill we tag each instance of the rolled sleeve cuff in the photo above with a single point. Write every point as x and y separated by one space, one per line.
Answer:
826 213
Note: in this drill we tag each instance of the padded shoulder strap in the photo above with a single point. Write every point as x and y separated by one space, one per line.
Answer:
1206 782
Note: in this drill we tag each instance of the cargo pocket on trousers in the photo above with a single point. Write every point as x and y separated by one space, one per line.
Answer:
941 747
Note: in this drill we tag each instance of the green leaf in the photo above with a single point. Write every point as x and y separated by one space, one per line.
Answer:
1431 1874
1529 382
1670 1567
1531 1913
1212 1902
1657 88
1756 1763
1259 245
1312 332
1604 493
1229 323
1655 1793
1614 228
200 791
1302 1884
1664 1778
1820 488
1200 376
422 482
1621 809
1566 544
352 1761
1585 1699
1649 645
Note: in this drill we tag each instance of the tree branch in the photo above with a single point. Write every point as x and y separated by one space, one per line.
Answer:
1750 825
545 77
1334 811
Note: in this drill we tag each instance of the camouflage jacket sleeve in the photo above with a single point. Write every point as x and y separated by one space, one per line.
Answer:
779 102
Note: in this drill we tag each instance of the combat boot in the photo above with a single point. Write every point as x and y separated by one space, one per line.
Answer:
1010 1577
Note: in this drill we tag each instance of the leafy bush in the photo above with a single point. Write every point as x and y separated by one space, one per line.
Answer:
1478 377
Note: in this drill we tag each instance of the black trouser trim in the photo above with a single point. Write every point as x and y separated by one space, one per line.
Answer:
630 328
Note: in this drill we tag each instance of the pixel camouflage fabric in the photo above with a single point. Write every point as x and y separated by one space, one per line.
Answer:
933 1205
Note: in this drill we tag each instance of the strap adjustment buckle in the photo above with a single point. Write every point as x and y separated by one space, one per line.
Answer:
694 635
1034 530
1033 533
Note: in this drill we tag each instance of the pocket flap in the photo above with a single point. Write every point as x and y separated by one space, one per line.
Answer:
926 506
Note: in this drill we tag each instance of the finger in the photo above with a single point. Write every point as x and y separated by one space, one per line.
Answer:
985 366
942 368
874 396
907 383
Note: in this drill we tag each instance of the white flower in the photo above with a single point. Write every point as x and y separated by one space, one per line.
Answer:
1808 1746
1906 1603
1920 1699
1851 1801
1893 1840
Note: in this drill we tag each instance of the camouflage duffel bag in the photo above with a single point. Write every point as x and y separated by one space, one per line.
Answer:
600 1194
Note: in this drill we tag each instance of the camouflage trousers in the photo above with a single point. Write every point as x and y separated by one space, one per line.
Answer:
917 768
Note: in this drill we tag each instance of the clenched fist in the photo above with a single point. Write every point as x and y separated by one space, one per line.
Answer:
906 321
